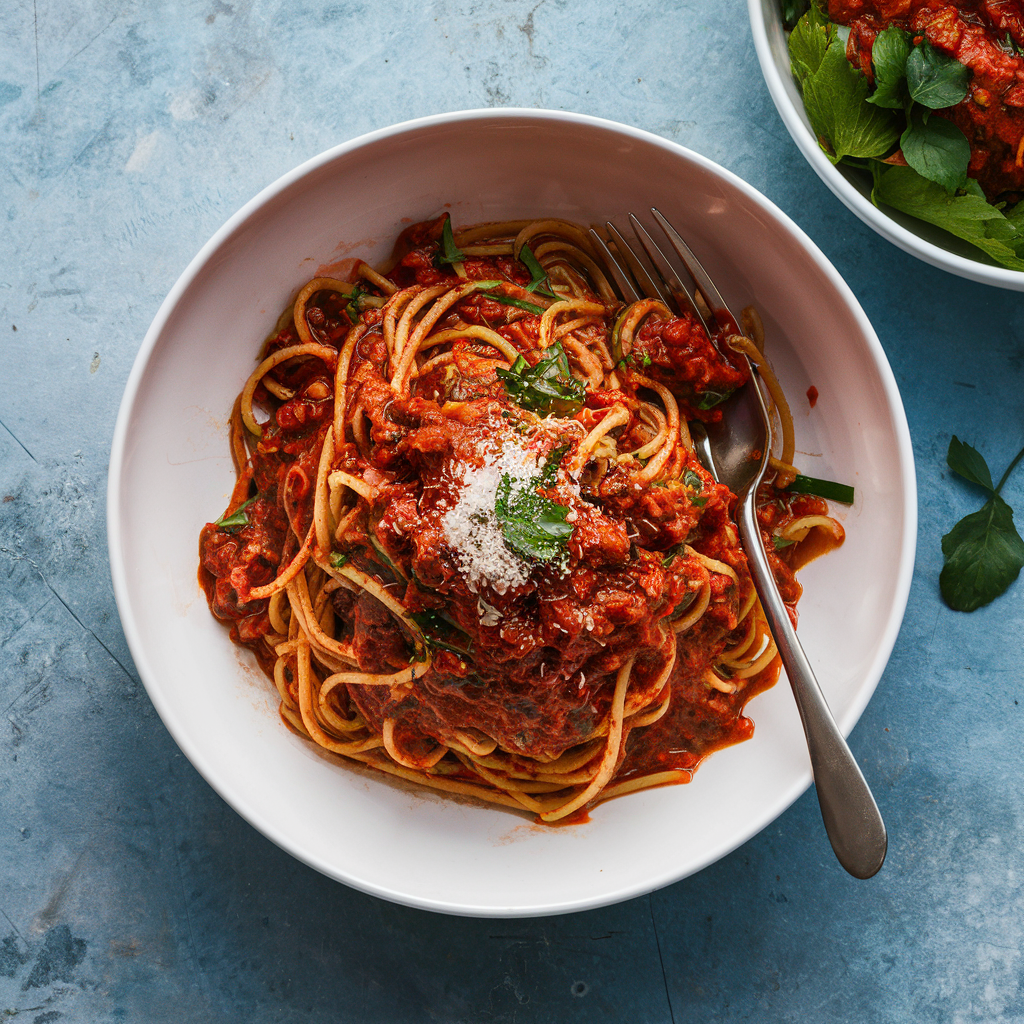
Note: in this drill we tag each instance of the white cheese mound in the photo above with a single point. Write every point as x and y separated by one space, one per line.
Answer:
471 527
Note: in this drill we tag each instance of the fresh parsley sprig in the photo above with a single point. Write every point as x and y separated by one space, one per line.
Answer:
983 552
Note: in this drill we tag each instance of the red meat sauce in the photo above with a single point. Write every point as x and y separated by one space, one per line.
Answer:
538 677
985 36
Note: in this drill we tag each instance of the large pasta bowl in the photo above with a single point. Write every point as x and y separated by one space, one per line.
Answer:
171 472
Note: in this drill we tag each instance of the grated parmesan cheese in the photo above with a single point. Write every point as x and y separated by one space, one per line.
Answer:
471 527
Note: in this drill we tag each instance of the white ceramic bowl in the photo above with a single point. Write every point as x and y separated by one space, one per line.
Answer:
171 472
853 187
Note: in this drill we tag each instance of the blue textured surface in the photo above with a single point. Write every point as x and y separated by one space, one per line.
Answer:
129 132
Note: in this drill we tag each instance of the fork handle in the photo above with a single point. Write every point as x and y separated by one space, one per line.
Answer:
852 820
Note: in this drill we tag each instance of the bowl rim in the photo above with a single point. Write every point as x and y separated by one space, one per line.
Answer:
133 634
882 223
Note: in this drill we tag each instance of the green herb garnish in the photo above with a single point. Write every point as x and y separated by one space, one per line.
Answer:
793 9
539 282
448 252
710 398
237 519
967 214
935 79
511 300
440 632
835 97
534 526
983 552
670 555
827 489
548 388
339 558
352 307
781 542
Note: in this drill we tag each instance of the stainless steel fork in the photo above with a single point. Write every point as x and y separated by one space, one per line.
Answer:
735 451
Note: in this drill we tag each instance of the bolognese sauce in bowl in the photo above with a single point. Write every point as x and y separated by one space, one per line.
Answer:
477 580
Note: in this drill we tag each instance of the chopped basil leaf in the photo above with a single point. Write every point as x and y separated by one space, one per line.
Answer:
671 553
339 558
684 602
539 276
827 489
352 307
781 542
448 251
935 79
547 388
534 526
440 632
511 300
237 519
710 398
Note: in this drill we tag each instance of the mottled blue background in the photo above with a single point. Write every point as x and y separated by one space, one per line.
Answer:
129 131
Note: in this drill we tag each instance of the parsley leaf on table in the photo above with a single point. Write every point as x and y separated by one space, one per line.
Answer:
983 552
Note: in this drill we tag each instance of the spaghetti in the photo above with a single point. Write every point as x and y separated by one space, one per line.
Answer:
470 540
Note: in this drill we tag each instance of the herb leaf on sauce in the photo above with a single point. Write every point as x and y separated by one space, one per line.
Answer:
539 282
533 525
889 55
936 149
983 552
935 79
237 519
448 252
547 388
910 81
441 633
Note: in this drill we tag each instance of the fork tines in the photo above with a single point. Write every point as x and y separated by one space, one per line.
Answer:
633 272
